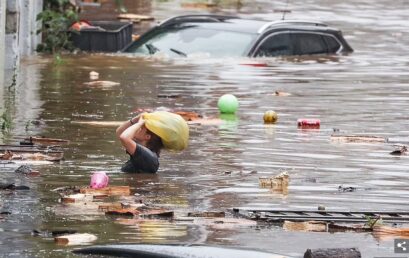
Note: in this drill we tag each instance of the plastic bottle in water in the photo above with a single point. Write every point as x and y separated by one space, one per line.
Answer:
308 123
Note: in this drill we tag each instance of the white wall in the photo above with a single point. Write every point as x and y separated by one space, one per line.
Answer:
2 44
28 26
21 38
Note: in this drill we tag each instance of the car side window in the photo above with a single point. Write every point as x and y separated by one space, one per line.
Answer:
275 45
308 43
332 43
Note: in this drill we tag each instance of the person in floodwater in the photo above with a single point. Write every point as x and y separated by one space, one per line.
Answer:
142 145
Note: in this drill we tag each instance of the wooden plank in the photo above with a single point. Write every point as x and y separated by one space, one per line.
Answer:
30 148
123 212
357 139
385 230
110 206
132 16
75 239
101 83
206 121
100 123
113 190
189 115
198 5
157 213
72 198
45 140
31 155
207 214
308 226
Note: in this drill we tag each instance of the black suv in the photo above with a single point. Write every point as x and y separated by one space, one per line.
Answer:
231 36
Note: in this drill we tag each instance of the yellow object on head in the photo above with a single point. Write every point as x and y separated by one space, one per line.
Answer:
170 127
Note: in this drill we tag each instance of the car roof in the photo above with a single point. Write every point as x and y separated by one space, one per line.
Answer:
237 24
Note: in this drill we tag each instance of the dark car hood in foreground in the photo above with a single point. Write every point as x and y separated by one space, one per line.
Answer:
173 251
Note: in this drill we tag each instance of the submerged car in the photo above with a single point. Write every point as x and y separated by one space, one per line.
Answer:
231 36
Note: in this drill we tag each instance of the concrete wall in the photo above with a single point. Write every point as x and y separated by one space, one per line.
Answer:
2 45
21 26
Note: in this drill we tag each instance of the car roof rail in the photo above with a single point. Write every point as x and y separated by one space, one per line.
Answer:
196 18
290 22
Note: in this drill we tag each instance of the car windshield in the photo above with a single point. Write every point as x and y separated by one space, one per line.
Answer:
187 40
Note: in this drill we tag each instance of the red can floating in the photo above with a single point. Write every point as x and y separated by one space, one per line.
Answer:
308 123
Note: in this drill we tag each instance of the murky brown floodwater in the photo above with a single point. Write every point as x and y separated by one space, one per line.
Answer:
366 92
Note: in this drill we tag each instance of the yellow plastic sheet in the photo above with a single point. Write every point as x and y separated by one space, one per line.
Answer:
170 127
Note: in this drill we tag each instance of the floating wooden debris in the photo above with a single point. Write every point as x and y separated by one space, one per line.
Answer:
223 223
13 187
391 231
282 94
93 75
100 123
102 83
155 213
310 226
189 115
77 198
357 139
113 190
26 170
279 182
207 214
334 227
206 121
42 140
75 239
198 5
66 190
23 152
135 17
111 206
168 96
402 150
344 189
53 233
123 212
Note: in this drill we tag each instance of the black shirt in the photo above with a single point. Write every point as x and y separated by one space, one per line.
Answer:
142 161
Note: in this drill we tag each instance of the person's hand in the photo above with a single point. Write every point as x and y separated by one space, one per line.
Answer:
141 120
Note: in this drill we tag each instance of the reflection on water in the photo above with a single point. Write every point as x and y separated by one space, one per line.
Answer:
362 93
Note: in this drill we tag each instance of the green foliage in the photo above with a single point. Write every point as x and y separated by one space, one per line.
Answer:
58 60
121 6
5 122
372 221
57 17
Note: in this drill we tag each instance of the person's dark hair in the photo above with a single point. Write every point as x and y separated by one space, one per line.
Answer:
155 143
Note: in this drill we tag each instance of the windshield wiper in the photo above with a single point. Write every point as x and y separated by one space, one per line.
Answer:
178 52
151 48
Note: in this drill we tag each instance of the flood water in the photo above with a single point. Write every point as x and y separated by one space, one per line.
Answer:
366 92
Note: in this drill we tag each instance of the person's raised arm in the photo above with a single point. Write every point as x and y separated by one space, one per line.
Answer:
126 124
126 137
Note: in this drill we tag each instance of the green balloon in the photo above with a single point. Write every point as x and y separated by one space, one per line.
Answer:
228 104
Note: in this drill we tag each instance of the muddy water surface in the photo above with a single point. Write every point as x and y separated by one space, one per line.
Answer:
363 93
